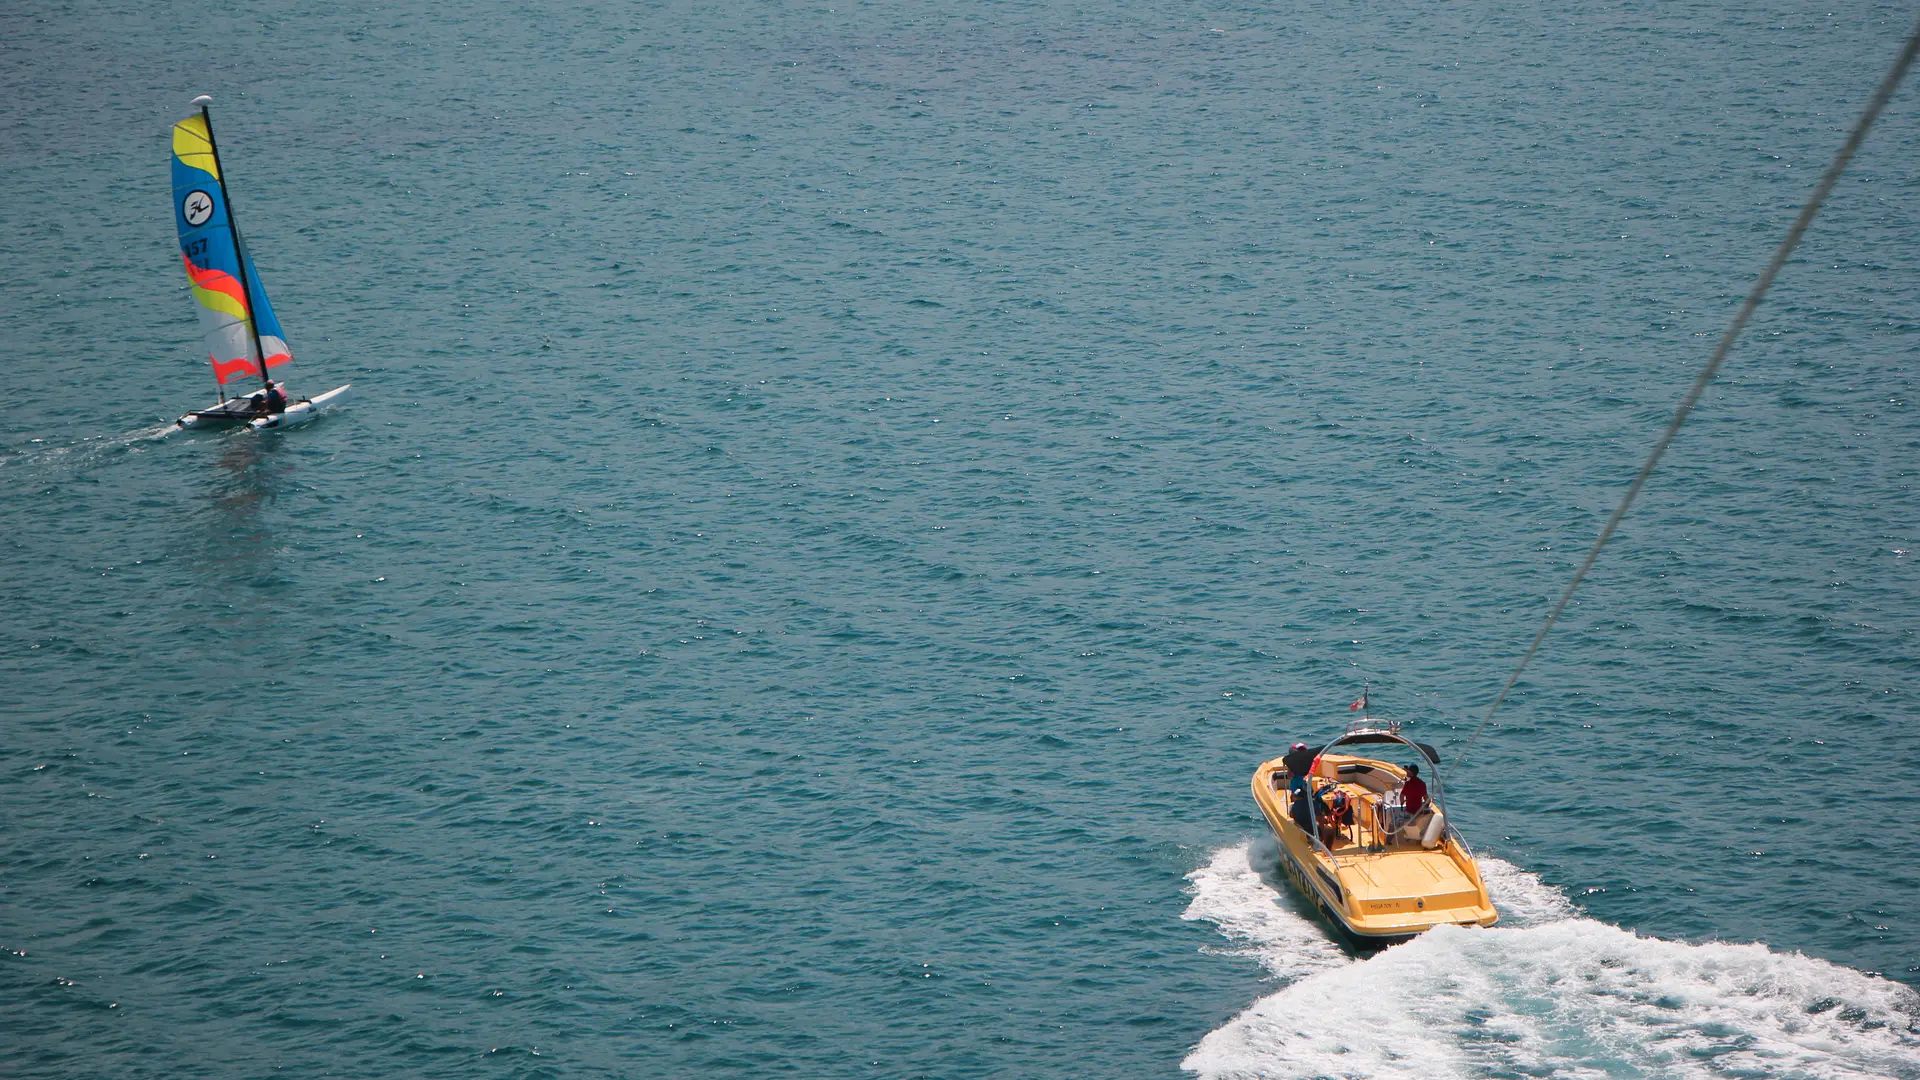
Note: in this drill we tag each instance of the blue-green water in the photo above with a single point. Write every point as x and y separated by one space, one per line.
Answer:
840 498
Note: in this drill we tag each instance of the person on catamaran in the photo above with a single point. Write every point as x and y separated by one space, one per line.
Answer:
275 401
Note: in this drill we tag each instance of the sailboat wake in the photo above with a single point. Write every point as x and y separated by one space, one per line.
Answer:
41 460
1547 992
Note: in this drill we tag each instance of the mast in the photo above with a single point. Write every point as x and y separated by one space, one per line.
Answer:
239 252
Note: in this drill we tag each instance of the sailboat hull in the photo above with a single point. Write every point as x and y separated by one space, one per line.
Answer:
229 413
246 410
301 411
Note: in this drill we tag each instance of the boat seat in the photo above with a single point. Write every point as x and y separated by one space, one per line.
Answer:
1416 827
1378 781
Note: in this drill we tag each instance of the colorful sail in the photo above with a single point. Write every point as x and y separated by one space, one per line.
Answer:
229 311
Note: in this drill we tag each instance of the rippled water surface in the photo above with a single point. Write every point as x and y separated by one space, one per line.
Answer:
840 498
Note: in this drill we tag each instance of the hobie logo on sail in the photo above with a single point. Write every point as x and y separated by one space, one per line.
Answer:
198 207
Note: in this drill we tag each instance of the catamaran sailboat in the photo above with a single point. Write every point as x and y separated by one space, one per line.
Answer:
244 339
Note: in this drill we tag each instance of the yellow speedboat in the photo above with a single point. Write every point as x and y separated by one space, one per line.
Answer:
1351 846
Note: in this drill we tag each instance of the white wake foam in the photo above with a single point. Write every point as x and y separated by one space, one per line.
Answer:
1547 993
1520 897
1242 892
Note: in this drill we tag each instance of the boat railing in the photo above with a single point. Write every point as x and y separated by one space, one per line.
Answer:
1373 723
1312 836
1379 821
1454 835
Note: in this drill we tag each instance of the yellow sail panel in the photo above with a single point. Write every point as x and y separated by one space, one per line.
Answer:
217 291
193 147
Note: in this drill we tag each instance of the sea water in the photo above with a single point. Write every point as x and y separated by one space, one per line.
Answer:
839 498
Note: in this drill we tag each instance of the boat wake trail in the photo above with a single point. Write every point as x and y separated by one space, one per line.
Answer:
1243 893
38 459
1548 992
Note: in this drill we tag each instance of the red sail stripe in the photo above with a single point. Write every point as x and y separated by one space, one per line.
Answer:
244 366
217 281
224 371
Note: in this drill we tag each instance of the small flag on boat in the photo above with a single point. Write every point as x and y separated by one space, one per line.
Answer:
1361 704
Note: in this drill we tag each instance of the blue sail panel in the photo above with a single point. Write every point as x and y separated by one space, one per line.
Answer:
272 339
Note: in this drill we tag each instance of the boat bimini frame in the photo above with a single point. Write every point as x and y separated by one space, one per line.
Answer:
1436 828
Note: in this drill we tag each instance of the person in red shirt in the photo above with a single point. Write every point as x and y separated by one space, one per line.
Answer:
1413 797
1413 793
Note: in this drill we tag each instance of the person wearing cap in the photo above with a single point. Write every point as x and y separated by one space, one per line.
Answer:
1413 792
1413 797
1301 808
1299 763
